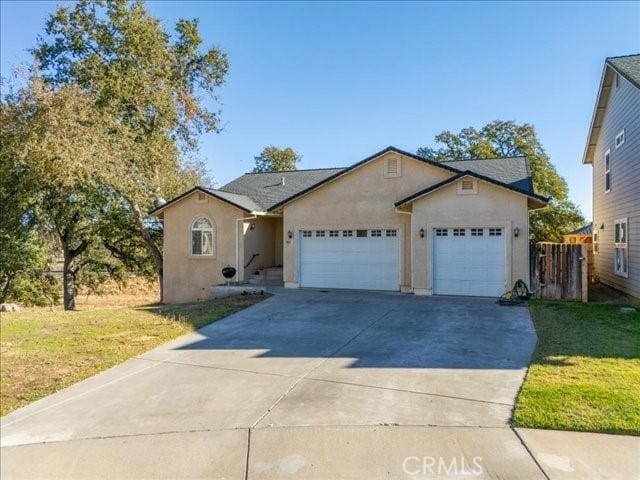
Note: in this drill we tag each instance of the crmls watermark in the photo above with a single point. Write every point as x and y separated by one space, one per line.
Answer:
442 466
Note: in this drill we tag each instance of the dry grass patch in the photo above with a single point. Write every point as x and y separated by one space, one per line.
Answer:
44 351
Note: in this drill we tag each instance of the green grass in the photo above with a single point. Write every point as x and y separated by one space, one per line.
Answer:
585 372
44 351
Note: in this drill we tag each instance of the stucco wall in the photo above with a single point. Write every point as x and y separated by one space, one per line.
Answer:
260 240
491 206
361 199
187 278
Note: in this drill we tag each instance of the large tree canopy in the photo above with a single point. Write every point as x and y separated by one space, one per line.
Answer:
274 159
507 139
145 92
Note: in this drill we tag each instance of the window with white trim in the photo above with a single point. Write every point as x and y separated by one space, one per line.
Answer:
595 239
619 139
621 243
607 171
376 233
442 232
495 232
347 233
391 233
458 232
477 232
333 233
202 237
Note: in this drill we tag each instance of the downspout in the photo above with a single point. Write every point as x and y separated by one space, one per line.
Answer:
238 220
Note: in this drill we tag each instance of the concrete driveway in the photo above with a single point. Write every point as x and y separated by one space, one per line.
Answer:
307 384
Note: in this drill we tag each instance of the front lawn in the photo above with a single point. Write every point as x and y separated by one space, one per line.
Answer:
585 372
44 351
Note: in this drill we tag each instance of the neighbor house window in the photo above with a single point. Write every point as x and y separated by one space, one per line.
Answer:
202 237
607 170
595 242
619 139
621 242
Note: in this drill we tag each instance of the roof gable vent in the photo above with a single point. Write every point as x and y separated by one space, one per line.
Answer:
392 167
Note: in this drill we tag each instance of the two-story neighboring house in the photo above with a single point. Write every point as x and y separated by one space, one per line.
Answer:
613 149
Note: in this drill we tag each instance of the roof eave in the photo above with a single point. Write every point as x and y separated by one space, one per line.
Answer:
355 166
538 200
157 212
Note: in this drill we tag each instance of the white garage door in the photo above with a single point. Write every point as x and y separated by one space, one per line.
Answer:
469 261
359 259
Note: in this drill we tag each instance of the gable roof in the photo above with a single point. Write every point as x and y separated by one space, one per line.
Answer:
468 173
269 189
513 171
584 230
627 66
240 201
264 192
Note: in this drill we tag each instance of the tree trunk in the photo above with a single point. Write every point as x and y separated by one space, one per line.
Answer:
6 288
156 253
68 283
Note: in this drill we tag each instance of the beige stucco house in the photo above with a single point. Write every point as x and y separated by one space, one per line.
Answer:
393 221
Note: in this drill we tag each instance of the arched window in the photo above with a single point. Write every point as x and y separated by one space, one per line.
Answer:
202 237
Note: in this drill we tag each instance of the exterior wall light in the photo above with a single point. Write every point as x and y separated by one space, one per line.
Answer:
516 232
252 226
421 232
289 234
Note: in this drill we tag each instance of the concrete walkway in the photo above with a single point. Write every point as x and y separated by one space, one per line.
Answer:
313 384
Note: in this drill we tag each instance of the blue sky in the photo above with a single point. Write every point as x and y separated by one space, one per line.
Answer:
339 81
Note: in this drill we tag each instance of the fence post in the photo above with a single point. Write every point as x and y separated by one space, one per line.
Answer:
584 257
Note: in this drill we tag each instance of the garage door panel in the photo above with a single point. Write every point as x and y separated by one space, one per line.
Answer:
468 265
350 262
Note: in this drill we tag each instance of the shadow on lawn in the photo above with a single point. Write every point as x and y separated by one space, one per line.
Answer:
595 330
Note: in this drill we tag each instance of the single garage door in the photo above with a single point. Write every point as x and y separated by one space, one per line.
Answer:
469 261
359 259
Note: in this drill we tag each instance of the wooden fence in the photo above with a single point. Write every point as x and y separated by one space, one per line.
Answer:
560 270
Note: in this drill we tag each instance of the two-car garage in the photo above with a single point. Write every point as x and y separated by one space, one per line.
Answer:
466 261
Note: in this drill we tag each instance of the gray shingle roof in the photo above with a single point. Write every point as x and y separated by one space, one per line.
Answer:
628 66
512 171
242 201
268 189
584 230
255 192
